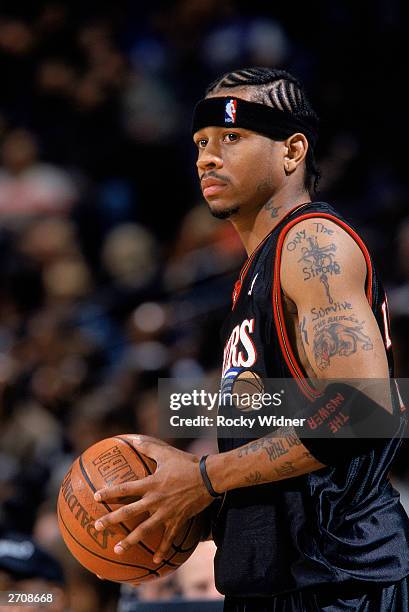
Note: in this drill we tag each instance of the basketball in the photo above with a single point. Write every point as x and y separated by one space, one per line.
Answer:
246 385
110 462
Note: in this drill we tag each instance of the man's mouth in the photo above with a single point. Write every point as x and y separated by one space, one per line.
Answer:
212 186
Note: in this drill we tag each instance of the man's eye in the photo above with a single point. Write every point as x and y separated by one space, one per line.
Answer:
231 137
202 143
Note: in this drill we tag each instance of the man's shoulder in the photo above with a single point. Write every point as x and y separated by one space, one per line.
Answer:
321 250
317 208
318 218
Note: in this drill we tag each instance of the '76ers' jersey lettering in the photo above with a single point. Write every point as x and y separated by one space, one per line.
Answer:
240 338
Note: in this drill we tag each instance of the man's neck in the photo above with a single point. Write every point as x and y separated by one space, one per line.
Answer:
253 228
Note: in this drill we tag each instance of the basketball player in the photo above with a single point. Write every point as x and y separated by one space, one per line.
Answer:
305 524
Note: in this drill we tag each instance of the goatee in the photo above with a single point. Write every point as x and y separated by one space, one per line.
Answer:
226 213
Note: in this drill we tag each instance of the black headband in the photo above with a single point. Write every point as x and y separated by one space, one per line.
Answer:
236 112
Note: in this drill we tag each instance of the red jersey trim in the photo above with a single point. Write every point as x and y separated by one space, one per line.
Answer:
278 312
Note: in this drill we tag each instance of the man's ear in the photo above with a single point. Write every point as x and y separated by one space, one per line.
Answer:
296 150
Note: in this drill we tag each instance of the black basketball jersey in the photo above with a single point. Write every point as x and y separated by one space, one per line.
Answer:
339 524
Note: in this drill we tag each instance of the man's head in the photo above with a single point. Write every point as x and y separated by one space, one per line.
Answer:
242 168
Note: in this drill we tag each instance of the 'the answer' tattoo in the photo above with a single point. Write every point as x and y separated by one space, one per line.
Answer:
335 319
338 339
320 263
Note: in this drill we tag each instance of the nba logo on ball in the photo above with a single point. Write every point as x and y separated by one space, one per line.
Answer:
230 111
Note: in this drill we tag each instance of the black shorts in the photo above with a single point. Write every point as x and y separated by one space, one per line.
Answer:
335 598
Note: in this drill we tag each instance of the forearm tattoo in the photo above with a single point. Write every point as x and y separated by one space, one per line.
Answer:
287 469
275 449
275 445
254 478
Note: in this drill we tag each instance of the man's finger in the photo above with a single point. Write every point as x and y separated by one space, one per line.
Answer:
134 488
165 545
141 440
124 500
137 535
122 514
152 448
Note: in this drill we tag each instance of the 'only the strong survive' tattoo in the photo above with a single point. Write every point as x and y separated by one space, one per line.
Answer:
320 263
338 339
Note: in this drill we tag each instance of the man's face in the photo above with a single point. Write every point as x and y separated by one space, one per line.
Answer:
239 170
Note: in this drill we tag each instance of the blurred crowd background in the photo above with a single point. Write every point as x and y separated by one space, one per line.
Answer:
112 271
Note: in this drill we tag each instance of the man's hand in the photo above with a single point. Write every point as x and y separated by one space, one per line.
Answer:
171 495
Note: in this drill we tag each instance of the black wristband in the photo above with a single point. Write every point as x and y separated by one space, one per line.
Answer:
206 479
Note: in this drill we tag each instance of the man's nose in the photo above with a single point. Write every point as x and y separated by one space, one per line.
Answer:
210 159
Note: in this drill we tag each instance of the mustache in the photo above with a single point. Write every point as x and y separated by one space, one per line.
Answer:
215 175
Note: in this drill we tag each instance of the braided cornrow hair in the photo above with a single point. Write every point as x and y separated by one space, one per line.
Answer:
279 89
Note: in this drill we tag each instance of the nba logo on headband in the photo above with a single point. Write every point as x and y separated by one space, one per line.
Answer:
230 111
